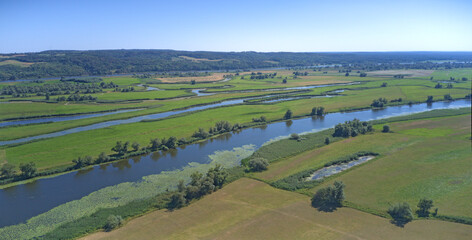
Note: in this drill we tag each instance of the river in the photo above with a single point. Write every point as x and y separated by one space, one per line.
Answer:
24 201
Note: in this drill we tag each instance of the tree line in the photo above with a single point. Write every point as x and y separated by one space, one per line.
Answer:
55 88
59 63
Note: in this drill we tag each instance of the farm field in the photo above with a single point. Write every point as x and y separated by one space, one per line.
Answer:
249 209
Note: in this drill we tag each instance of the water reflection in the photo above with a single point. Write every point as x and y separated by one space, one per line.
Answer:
203 143
121 165
173 153
104 166
83 171
155 156
136 159
261 127
288 123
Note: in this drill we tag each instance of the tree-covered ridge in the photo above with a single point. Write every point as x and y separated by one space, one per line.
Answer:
103 62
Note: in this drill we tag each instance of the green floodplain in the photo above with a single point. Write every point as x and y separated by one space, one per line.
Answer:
425 155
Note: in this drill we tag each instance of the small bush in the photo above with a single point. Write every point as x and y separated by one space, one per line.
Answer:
386 129
113 222
294 136
329 198
177 200
401 213
258 164
424 206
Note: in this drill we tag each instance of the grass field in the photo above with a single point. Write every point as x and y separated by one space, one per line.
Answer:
248 209
421 158
455 73
61 150
69 147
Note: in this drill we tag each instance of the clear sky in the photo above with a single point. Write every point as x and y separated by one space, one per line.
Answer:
224 25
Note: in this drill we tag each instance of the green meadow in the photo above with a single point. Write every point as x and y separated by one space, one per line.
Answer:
423 158
59 151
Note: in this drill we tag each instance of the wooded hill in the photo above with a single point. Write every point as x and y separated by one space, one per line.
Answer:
103 62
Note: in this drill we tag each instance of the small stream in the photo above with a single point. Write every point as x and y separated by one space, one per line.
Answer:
62 118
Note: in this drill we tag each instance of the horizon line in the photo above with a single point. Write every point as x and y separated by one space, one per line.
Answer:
178 50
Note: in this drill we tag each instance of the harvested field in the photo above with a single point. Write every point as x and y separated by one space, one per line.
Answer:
248 209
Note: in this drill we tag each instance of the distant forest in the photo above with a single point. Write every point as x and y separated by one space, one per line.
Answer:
106 62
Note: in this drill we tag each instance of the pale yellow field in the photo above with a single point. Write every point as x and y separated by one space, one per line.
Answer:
212 78
249 209
408 73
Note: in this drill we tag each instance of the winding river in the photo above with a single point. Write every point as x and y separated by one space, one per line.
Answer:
24 201
136 119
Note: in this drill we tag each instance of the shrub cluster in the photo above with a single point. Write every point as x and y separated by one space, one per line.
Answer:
379 102
352 128
199 186
257 164
329 198
260 119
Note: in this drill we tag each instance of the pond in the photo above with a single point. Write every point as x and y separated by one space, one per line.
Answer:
334 169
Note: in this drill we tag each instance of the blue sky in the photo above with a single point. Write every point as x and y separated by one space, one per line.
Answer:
299 26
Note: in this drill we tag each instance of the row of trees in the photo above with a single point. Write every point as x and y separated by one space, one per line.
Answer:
300 73
259 75
74 98
220 127
55 88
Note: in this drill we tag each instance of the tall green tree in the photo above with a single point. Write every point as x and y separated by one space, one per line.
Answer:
424 205
401 213
7 170
28 170
288 114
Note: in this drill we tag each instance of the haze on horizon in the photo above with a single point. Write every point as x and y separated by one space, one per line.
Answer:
264 26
